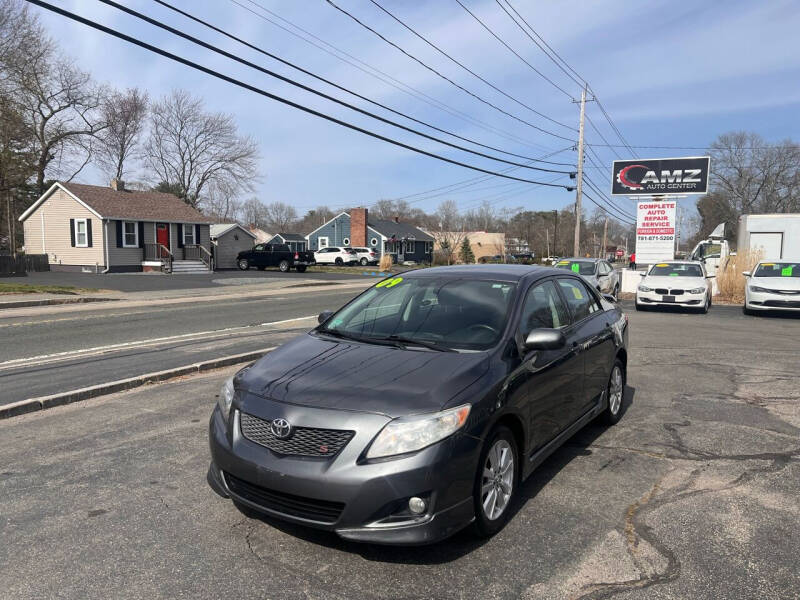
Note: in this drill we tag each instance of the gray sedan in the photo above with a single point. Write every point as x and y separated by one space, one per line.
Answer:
597 271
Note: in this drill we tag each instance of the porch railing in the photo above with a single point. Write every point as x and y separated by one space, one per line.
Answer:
156 251
198 252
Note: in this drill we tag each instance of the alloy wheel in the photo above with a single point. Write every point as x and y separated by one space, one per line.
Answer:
615 390
497 483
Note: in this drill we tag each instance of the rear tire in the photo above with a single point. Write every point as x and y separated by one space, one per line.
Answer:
243 264
364 262
615 391
496 482
339 262
283 266
301 268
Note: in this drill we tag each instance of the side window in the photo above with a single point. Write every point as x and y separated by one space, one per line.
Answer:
259 248
543 308
581 301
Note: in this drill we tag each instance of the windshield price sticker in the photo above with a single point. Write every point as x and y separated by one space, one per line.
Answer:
389 283
563 262
576 268
786 271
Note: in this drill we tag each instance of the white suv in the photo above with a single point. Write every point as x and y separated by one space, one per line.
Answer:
366 256
333 255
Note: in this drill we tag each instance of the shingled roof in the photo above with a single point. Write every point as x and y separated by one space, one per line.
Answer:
135 205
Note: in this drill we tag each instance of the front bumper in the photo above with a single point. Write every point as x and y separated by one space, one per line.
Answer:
768 301
654 299
368 498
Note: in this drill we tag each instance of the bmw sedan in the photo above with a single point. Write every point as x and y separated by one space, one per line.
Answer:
773 285
675 283
420 407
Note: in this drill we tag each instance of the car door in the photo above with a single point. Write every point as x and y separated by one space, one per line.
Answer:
593 334
546 383
603 277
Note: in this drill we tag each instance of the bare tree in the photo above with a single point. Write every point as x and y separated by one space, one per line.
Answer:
124 114
448 232
194 148
279 216
221 202
252 213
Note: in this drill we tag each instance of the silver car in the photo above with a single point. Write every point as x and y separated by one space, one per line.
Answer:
596 271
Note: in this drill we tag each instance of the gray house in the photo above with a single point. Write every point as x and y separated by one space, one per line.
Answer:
111 229
295 241
402 241
227 240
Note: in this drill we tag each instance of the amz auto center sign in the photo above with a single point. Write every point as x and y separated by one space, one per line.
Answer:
655 231
660 176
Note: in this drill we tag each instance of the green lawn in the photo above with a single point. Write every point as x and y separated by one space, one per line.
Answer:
25 288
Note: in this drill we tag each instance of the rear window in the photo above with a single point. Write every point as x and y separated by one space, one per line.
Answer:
675 270
778 269
581 267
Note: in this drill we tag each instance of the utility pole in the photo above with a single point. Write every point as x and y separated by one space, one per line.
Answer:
579 189
605 233
678 228
555 233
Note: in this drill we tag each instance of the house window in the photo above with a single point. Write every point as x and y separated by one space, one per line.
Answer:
188 235
346 241
408 247
428 247
322 242
130 235
373 242
81 235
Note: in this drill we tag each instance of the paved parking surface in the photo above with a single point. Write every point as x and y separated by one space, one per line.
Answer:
694 494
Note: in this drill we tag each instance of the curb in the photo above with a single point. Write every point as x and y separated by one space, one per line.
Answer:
52 301
44 402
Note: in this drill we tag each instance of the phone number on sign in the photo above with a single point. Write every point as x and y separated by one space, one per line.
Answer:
653 238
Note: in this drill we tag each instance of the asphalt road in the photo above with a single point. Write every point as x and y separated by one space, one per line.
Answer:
60 350
694 494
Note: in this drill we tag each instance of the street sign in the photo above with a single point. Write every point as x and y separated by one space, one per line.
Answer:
660 176
620 253
655 231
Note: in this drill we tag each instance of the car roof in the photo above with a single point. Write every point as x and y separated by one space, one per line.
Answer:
488 271
678 262
577 258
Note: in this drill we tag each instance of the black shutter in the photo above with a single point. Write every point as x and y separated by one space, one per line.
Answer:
89 233
197 234
119 234
72 232
180 235
141 234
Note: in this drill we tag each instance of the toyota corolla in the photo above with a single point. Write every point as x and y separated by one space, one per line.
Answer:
419 407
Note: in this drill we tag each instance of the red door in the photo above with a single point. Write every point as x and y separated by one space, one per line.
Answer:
162 237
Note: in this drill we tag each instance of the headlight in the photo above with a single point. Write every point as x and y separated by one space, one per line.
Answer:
407 435
755 288
644 288
699 290
226 398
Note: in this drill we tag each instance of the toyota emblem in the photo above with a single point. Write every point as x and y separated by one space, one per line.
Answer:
281 428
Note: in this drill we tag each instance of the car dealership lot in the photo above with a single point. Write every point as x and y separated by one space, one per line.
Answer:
693 494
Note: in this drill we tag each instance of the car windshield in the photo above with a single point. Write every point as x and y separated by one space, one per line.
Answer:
675 270
778 269
447 313
581 267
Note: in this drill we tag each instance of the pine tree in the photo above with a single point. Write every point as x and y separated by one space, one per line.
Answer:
467 255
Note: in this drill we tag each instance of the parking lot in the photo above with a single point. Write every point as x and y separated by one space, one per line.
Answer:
694 494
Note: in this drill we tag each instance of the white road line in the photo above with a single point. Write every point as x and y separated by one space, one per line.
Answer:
30 360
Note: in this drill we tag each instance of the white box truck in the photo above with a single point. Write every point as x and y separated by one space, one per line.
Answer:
776 236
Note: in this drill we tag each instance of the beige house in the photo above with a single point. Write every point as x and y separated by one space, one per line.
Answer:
484 244
227 240
111 229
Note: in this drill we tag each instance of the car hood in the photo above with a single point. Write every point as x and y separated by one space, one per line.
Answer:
339 374
686 283
777 283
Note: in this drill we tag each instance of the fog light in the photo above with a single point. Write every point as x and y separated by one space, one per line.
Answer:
417 505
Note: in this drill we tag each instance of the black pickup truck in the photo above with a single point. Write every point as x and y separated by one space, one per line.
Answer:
275 255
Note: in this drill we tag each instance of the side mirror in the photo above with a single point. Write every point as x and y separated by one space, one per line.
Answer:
643 274
746 273
610 298
545 339
324 316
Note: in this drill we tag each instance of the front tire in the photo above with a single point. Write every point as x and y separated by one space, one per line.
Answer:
496 482
243 264
364 262
283 266
339 262
616 393
748 311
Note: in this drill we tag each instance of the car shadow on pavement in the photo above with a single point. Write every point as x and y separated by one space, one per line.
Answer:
465 541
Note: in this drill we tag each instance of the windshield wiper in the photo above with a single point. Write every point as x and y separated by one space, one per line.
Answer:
425 344
363 338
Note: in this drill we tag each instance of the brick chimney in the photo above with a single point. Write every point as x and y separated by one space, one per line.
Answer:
117 185
358 227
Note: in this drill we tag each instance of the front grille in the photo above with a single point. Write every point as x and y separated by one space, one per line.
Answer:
662 291
783 303
676 292
322 511
785 292
303 441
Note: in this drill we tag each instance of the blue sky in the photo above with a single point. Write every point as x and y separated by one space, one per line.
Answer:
669 73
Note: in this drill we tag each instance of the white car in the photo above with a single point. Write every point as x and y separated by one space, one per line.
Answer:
772 285
334 255
366 256
675 283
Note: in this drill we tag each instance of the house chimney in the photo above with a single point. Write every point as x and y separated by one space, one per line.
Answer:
117 185
396 219
358 227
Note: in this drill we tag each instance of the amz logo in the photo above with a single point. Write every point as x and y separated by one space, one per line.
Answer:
685 176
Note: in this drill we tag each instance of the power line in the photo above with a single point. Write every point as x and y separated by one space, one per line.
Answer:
270 95
382 76
329 82
605 200
439 74
515 53
240 60
593 201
